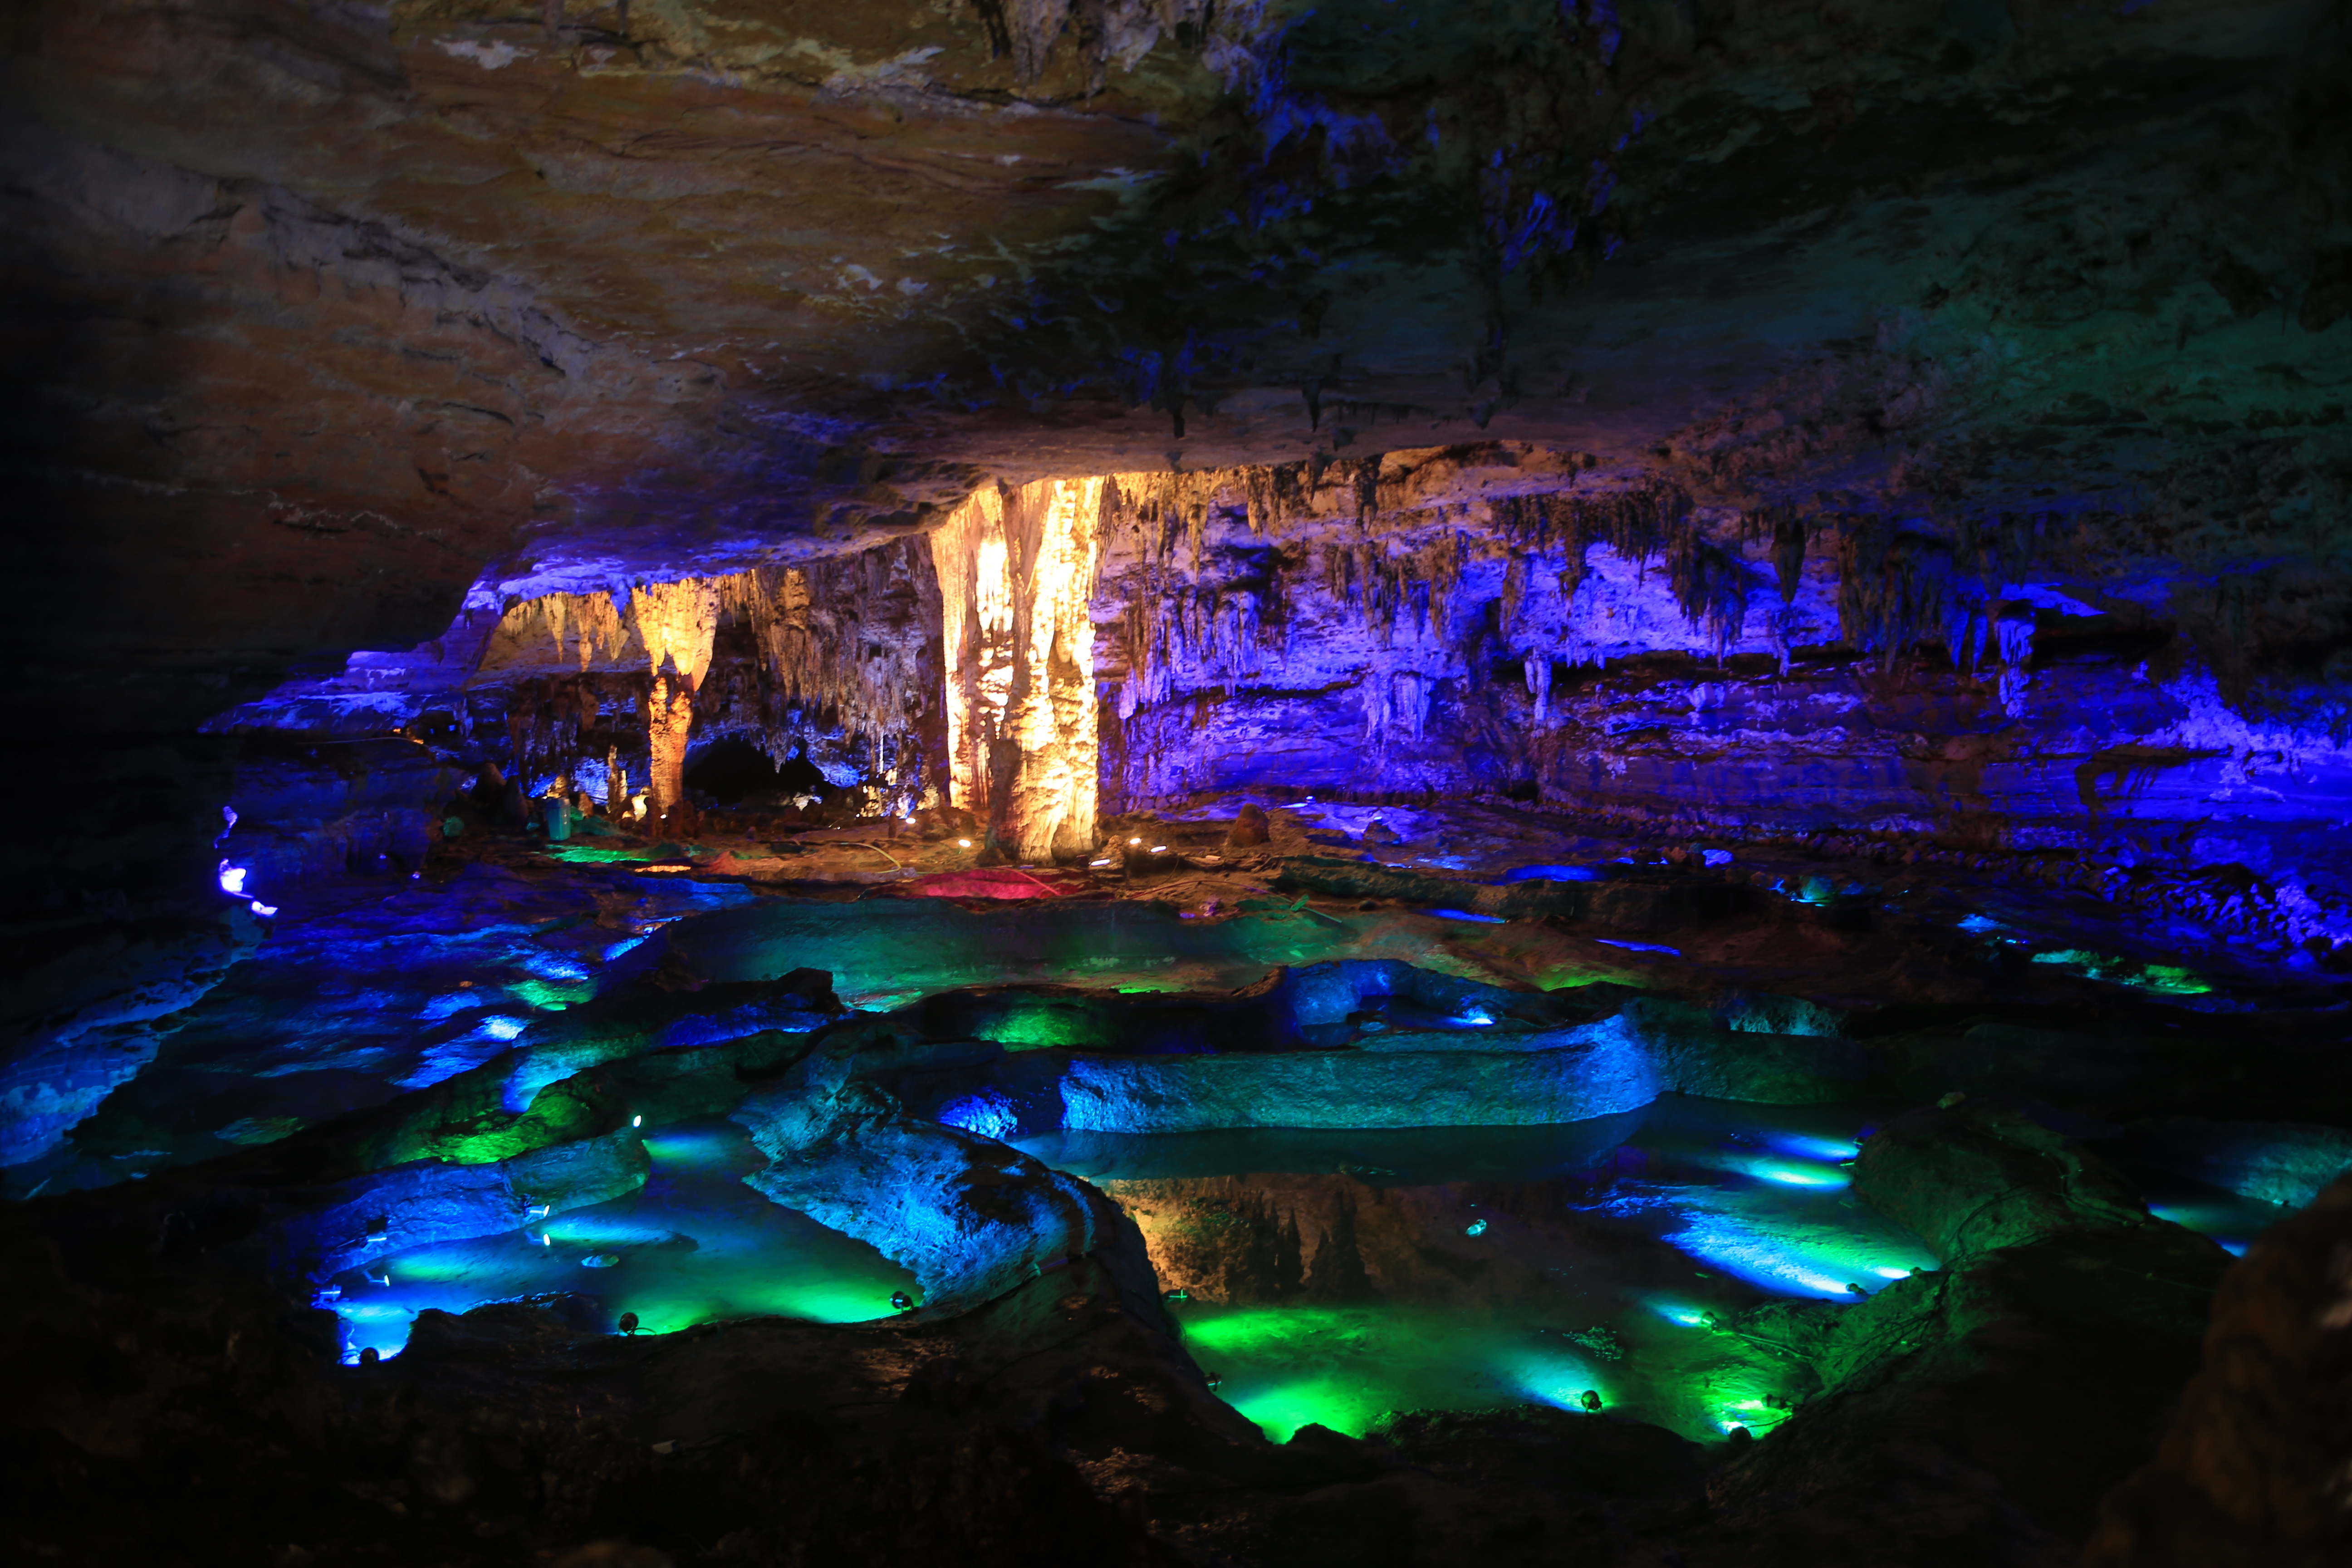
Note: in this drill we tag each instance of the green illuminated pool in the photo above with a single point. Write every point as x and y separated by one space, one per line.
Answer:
694 1246
1335 1277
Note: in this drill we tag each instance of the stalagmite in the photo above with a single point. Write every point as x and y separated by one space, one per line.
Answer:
1016 570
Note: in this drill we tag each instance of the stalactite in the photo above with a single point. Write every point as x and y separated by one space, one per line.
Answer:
1538 673
1789 538
1710 584
1894 584
1514 593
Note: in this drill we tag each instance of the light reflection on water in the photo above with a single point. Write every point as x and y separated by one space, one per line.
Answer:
694 1246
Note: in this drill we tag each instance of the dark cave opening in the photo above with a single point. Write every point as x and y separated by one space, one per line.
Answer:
732 767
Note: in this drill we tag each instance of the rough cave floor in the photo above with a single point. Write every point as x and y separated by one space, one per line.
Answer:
1448 1130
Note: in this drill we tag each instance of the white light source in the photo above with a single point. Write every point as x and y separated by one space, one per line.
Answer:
1160 849
966 843
265 911
1131 841
636 1121
232 879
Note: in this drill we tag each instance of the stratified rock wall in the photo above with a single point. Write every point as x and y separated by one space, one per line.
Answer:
1504 621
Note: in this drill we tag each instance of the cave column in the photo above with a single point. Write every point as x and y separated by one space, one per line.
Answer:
1016 571
677 622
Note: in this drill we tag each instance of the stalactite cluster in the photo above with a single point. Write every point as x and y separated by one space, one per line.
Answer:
1899 586
553 720
844 647
854 640
589 628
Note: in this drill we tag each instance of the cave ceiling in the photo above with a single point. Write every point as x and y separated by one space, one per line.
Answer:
359 298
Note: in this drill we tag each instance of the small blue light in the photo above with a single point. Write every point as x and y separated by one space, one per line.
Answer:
1802 1146
1467 915
1640 946
1979 923
503 1028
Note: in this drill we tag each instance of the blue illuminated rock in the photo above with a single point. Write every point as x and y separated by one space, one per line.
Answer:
971 1216
412 1205
2280 1163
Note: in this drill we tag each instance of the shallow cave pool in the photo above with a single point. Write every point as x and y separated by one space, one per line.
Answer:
1335 1276
694 1245
1326 1276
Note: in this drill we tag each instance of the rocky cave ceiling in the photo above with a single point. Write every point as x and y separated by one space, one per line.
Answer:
348 301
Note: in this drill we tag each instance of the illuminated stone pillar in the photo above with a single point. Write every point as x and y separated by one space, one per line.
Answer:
1016 571
676 621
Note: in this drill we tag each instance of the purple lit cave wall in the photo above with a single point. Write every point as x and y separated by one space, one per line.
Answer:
1198 785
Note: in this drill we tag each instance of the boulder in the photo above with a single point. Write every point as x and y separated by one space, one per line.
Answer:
2253 1470
1979 1175
971 1216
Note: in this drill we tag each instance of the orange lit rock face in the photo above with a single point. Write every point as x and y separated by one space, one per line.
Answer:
1016 573
677 622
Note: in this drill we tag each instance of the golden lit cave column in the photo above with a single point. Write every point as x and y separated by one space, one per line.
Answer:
676 621
1016 570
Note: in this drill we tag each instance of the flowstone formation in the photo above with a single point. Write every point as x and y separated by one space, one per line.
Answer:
1139 781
